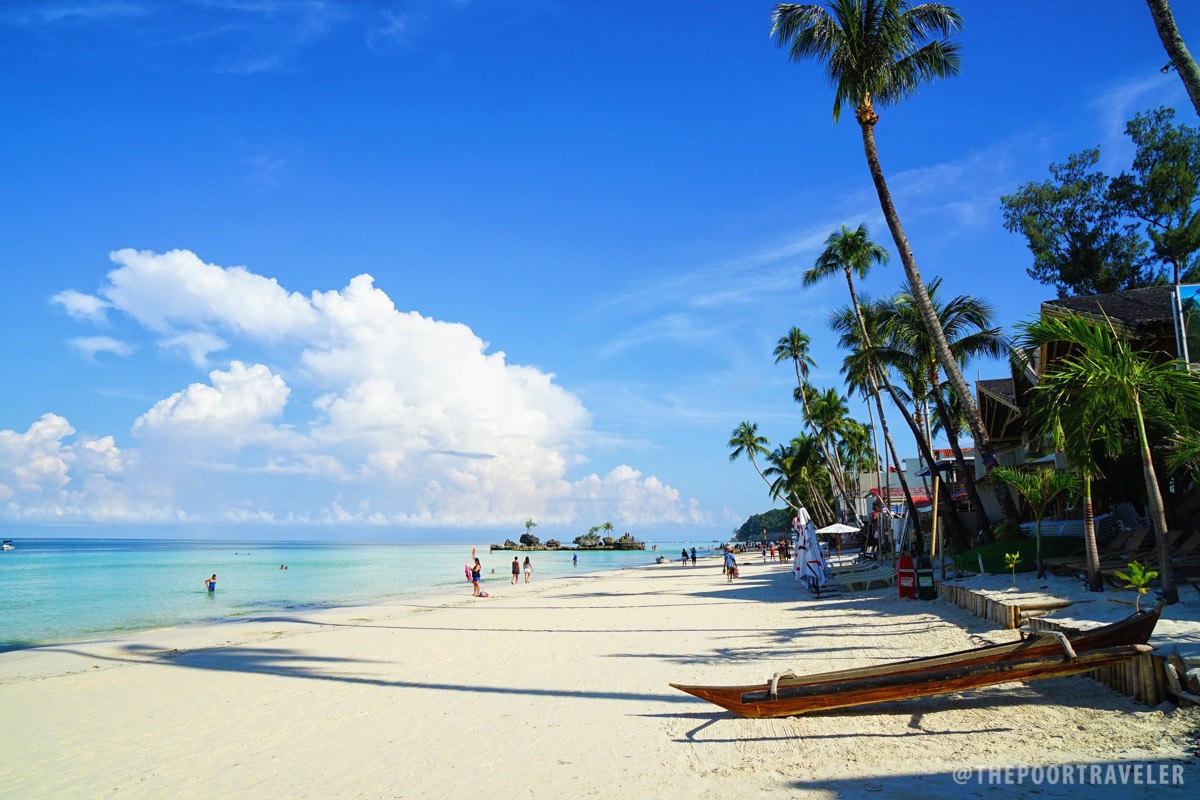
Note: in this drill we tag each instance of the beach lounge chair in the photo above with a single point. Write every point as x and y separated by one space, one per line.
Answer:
882 575
1185 552
1129 518
1122 542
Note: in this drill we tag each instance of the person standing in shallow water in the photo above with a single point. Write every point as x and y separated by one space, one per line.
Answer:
211 583
516 570
528 569
574 559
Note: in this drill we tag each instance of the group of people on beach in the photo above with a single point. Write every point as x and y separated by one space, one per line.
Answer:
516 570
474 571
687 558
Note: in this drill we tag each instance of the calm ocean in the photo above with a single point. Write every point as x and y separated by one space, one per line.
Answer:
54 590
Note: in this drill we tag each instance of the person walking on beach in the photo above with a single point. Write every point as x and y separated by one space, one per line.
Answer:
528 569
693 556
476 570
211 583
685 557
730 566
516 570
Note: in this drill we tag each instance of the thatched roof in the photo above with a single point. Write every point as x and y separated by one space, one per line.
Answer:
1148 309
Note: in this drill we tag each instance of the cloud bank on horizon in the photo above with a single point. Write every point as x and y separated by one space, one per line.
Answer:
363 415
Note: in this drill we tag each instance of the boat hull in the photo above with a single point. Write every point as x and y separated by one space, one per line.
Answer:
859 686
806 698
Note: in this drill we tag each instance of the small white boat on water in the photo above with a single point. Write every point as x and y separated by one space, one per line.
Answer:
7 545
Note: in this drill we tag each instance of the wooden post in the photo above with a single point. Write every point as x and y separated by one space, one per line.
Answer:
934 537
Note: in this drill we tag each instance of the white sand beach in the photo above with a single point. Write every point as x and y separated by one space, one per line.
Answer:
555 689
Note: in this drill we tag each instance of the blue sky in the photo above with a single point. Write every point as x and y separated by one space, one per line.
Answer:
389 269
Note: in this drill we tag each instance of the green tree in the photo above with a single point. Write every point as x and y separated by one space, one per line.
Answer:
851 253
967 323
745 441
1091 234
1081 241
831 415
794 347
859 328
1040 488
1103 376
798 470
1181 59
877 53
1163 191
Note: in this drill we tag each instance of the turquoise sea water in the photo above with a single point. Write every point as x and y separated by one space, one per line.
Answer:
54 590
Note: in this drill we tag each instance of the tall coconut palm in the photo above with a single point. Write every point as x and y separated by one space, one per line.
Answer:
1077 430
859 327
1103 376
967 324
745 441
1181 59
1040 488
798 470
794 347
877 53
830 413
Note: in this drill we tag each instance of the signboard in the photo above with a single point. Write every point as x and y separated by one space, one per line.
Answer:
1187 322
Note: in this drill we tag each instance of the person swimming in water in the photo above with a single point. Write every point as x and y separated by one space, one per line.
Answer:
211 583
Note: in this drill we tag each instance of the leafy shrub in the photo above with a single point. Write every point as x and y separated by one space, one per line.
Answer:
1009 531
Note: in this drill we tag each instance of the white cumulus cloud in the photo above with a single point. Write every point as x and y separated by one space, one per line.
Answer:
367 415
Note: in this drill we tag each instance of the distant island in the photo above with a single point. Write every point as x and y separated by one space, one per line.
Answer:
588 541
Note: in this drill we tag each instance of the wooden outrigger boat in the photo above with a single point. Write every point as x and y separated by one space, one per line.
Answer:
1045 654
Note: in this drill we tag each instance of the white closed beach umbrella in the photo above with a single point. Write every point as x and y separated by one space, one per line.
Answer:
809 564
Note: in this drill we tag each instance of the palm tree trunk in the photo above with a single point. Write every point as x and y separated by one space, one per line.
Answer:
1158 515
835 467
843 488
908 498
821 511
1095 579
983 443
968 476
1181 59
768 483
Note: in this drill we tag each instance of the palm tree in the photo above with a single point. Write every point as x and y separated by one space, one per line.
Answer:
794 347
746 441
967 324
831 414
1181 59
798 470
1076 430
859 328
876 53
1103 377
1040 488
